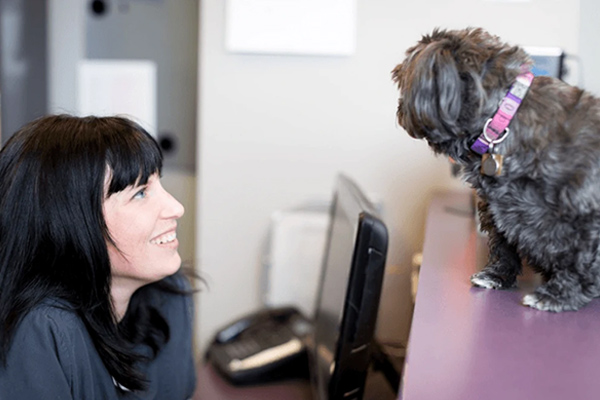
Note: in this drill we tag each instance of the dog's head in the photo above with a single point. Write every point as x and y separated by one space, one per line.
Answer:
450 83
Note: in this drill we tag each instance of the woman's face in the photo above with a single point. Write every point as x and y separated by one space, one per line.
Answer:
142 221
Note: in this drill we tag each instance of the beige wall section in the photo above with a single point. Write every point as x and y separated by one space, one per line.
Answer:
274 131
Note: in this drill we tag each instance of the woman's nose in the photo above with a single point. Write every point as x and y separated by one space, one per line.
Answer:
173 209
178 209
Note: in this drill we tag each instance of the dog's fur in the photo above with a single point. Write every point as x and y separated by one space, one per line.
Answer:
544 208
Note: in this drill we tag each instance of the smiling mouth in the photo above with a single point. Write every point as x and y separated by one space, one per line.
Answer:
168 238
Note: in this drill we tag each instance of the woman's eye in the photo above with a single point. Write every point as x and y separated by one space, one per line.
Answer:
140 194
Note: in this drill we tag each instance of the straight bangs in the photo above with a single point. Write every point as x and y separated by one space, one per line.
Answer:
131 157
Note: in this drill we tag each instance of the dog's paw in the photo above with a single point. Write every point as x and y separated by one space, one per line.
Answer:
488 280
546 303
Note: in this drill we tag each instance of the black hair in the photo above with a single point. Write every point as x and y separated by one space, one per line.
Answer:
54 237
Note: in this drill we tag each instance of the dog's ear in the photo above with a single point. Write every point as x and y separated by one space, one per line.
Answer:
435 88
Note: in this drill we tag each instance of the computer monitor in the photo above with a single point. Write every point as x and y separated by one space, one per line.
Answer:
348 297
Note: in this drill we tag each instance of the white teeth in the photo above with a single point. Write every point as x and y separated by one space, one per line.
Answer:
165 239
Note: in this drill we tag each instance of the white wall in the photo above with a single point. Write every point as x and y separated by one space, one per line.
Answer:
588 61
274 131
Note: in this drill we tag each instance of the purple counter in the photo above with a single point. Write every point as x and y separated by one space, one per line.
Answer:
470 344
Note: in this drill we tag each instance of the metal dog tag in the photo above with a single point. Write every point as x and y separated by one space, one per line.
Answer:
491 164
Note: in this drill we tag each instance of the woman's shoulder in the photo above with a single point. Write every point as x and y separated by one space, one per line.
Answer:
53 356
50 330
54 314
53 323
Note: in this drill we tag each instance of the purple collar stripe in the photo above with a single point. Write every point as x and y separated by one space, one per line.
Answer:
507 110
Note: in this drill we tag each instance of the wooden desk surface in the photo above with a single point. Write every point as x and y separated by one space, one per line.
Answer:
468 343
211 386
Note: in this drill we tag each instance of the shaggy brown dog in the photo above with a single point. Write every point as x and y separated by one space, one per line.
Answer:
540 196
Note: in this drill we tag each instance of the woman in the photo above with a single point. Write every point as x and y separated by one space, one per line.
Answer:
92 305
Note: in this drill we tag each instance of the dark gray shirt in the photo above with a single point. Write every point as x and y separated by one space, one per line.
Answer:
52 357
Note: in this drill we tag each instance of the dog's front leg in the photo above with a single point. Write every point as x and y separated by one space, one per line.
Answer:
504 263
566 290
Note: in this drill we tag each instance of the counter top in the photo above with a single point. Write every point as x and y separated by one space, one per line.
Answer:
471 343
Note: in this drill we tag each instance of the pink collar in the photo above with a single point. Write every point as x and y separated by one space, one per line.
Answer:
496 128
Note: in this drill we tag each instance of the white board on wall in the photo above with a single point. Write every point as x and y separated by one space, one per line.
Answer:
303 27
